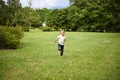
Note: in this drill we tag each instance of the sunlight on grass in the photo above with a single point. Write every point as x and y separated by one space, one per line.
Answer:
87 56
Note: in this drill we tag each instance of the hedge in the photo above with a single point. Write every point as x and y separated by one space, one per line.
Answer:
46 29
10 37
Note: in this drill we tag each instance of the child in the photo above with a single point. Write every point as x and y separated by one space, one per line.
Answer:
61 41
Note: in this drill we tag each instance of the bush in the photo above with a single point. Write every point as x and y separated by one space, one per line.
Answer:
46 29
81 29
10 37
26 28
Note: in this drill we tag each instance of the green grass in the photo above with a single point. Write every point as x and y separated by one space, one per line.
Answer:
87 56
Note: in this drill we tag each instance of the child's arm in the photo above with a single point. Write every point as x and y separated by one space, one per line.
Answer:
55 40
65 42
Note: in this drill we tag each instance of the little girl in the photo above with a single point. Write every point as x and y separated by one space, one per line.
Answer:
61 41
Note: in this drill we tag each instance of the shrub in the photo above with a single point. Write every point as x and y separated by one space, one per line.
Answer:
26 28
10 37
17 31
46 29
81 29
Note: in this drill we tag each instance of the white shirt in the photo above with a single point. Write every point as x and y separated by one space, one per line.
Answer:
61 39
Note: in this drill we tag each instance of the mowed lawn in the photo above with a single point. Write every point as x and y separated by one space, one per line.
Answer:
87 56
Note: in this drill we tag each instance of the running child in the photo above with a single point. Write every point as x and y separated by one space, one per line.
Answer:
61 42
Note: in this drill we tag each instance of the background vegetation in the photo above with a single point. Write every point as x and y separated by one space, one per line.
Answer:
10 37
87 56
81 15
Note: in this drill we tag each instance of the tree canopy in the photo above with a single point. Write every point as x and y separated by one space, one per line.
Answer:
81 15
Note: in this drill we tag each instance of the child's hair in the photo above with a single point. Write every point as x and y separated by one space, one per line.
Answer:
62 30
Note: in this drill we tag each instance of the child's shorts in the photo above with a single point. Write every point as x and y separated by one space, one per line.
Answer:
60 47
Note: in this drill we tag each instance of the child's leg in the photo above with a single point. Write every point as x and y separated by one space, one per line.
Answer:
62 49
59 48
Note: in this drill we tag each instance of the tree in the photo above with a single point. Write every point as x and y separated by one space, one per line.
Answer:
3 12
99 15
43 13
36 19
52 18
112 8
14 7
57 19
73 18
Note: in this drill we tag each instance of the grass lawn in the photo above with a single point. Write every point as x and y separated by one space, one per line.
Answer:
87 56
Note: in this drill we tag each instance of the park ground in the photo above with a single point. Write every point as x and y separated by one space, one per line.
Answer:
87 56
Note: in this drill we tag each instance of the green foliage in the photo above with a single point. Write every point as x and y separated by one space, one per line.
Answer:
10 37
99 15
3 13
43 14
57 19
94 15
81 29
13 8
73 18
26 27
46 29
53 19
